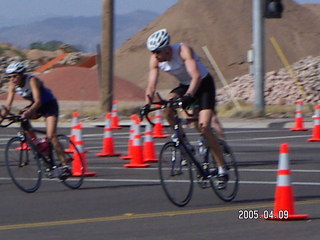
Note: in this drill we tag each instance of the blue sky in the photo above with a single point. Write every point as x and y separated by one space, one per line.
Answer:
15 12
33 8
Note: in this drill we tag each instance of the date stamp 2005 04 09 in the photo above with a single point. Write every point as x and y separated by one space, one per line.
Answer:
249 214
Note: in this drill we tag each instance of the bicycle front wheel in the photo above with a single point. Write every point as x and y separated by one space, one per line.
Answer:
23 165
74 160
175 174
230 189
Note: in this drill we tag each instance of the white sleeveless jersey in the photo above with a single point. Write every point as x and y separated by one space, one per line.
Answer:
177 68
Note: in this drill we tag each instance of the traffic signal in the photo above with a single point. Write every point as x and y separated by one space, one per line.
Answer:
273 9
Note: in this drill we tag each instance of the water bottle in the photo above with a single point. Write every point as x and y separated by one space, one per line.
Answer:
202 146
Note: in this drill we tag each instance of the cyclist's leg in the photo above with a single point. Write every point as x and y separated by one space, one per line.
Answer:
50 111
175 93
51 125
168 112
206 98
218 127
204 127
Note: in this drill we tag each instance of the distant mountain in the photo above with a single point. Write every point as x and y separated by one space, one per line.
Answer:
226 29
82 32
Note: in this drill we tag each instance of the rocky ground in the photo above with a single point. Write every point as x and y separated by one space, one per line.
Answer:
280 86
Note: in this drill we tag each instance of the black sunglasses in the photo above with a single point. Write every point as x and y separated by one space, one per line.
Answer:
156 51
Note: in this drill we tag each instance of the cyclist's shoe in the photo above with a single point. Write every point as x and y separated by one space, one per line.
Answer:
65 172
225 147
222 180
184 162
49 173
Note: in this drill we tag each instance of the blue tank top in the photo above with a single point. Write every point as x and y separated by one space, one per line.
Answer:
26 91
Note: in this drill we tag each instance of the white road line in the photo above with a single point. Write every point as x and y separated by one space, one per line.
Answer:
158 181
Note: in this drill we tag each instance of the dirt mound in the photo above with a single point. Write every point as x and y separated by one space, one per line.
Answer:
81 84
226 28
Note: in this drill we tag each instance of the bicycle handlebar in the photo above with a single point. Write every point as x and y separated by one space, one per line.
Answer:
11 117
161 104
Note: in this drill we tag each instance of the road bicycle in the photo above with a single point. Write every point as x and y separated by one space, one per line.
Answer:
178 162
28 158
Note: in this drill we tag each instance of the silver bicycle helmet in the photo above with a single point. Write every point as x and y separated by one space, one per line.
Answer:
16 67
158 40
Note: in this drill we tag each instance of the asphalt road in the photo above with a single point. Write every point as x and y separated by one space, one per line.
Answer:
125 203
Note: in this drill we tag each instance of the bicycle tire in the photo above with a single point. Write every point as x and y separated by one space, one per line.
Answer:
74 161
175 174
231 189
23 165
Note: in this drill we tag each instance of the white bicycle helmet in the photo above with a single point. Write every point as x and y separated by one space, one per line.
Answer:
158 40
16 67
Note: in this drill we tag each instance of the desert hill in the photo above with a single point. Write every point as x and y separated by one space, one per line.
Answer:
82 32
225 26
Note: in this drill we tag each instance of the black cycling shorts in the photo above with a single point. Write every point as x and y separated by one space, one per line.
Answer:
205 95
48 109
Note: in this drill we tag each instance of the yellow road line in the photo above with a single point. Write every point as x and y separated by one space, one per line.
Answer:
129 216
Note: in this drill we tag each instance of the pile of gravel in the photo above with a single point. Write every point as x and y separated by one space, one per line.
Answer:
280 87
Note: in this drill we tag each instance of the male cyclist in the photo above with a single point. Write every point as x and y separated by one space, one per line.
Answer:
43 103
195 81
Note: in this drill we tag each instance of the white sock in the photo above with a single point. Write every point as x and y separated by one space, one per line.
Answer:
221 170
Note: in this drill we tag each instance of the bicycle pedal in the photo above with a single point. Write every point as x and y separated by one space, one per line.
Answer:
23 164
184 162
49 173
203 183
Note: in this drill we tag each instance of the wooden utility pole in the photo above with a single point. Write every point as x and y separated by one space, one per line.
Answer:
106 67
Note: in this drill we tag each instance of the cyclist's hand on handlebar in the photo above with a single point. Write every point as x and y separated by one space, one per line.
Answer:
185 101
144 110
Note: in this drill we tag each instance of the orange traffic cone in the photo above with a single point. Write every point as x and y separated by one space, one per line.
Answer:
137 160
108 143
24 146
134 119
77 166
284 199
148 145
299 118
158 126
316 125
74 122
114 116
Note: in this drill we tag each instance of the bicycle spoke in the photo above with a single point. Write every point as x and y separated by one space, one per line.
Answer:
227 191
175 175
23 166
74 161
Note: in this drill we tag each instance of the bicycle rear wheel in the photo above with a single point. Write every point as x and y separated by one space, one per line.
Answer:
175 174
23 165
74 160
230 190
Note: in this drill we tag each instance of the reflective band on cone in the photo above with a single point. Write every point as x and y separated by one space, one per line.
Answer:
299 118
76 163
114 116
108 142
137 160
148 145
74 122
284 200
316 126
134 120
158 126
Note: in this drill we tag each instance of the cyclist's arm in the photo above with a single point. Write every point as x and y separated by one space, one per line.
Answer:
9 100
35 88
186 54
152 78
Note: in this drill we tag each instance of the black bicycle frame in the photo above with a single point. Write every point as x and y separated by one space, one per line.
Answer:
190 155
